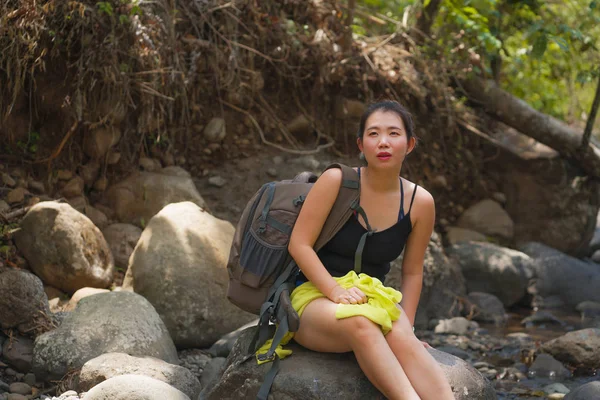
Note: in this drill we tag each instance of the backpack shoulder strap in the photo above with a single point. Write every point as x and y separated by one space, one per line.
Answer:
342 209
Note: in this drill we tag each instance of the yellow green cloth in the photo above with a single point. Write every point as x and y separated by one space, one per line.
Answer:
380 308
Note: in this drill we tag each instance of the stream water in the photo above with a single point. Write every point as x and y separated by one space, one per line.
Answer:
531 387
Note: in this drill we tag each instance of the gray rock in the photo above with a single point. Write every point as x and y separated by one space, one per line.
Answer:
443 284
456 235
215 130
18 352
139 197
489 218
456 326
589 391
556 388
579 348
4 387
110 365
134 387
223 346
103 323
20 388
213 371
122 239
489 308
541 317
455 351
23 303
217 181
179 265
546 366
64 248
16 396
558 274
29 379
489 268
312 375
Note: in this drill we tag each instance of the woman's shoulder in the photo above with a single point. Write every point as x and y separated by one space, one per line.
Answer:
423 201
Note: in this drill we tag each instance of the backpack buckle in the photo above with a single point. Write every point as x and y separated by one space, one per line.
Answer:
262 226
266 357
298 200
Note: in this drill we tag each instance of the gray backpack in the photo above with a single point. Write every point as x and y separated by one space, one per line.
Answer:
262 273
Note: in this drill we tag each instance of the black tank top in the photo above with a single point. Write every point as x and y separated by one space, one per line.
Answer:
380 249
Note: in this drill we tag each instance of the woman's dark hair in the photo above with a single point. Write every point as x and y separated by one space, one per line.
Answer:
388 106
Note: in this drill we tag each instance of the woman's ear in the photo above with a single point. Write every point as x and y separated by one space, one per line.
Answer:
359 144
412 142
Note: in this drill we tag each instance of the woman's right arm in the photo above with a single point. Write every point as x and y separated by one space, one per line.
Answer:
312 217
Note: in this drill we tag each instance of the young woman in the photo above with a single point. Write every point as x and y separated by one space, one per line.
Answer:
402 215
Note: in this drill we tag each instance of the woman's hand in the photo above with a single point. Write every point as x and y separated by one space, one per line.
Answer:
352 295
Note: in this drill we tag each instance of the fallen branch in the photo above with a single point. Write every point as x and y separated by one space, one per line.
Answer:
545 129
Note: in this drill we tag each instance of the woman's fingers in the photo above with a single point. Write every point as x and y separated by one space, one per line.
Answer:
358 295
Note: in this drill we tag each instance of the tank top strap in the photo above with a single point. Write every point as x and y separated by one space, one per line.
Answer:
401 212
413 197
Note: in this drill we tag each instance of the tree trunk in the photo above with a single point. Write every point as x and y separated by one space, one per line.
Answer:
541 127
426 19
589 126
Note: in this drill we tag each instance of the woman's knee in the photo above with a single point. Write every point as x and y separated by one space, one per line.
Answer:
359 328
402 335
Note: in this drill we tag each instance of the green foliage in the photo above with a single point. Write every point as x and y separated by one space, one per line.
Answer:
31 146
542 51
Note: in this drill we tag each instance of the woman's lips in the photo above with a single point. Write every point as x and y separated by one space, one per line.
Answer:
384 156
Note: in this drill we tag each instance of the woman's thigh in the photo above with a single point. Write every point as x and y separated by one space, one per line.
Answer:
320 330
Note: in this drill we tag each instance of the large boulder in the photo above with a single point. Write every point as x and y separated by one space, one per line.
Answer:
64 248
179 265
23 302
312 375
138 198
120 322
134 387
122 239
558 274
443 284
579 348
589 391
109 365
489 268
548 201
489 218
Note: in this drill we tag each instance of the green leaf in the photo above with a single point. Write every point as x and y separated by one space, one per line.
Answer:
593 4
562 43
426 3
539 46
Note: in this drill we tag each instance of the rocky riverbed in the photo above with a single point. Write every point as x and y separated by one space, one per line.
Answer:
92 286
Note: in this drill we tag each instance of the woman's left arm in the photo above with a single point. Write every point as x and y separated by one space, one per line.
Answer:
423 216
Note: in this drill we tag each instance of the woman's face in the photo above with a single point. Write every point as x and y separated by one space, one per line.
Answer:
384 142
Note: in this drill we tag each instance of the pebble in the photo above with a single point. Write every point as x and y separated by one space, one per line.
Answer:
16 396
556 388
8 180
10 372
217 181
4 386
272 172
29 379
16 195
277 160
556 396
20 388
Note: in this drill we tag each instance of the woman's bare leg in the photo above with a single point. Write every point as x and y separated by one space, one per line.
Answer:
321 331
424 373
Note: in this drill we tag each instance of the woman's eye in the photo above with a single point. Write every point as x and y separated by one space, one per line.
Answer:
396 133
372 133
